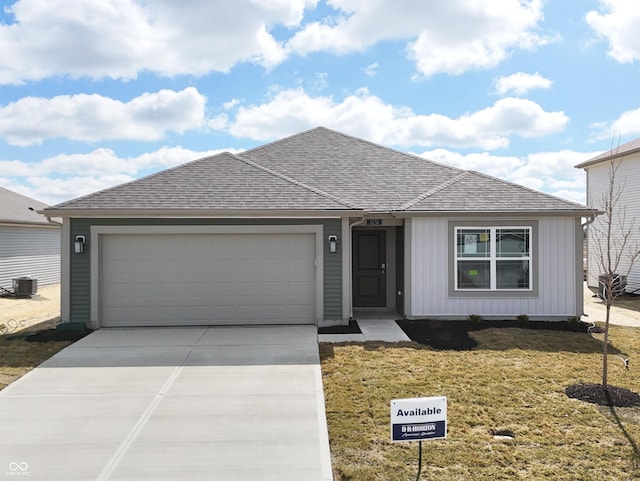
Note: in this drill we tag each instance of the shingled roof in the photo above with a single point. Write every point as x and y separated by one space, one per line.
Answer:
318 170
220 182
19 209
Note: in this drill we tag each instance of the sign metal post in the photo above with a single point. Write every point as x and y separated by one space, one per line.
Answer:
419 419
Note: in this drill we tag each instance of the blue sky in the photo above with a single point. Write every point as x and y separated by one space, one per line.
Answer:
93 94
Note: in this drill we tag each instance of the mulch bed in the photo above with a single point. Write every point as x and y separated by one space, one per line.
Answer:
454 335
351 328
595 394
47 335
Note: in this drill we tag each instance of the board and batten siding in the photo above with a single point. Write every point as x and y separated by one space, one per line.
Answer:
80 264
628 181
29 251
558 290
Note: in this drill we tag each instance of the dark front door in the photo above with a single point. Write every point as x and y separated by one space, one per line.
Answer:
369 268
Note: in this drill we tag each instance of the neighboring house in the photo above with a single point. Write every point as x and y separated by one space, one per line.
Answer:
627 182
312 229
29 241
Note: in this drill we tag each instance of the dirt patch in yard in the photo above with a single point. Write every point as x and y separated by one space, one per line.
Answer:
40 311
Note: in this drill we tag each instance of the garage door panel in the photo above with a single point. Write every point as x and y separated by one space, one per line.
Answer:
197 290
205 279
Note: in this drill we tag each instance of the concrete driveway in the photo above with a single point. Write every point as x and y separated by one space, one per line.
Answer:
167 404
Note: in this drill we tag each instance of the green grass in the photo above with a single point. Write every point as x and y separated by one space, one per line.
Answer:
514 380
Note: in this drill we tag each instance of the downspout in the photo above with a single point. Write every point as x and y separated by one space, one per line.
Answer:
585 237
589 222
351 226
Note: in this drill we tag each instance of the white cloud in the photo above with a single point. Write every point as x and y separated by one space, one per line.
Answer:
121 38
627 124
14 168
63 177
551 172
32 120
452 37
520 83
367 116
371 69
231 104
53 190
494 165
552 169
619 25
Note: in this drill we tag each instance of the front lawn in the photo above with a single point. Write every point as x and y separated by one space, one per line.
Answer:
513 382
17 356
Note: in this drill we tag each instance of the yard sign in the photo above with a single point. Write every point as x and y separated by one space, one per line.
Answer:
418 419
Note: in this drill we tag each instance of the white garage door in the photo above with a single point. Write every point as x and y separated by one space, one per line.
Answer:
207 279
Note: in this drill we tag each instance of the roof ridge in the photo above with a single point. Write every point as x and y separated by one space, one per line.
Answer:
277 141
435 190
411 155
291 180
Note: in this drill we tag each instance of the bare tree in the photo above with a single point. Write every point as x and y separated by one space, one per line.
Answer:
614 247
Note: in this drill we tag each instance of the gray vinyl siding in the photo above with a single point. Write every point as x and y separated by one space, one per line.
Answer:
29 251
628 183
555 259
80 268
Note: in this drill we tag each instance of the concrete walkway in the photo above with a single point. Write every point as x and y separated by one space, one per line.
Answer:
167 404
383 329
595 311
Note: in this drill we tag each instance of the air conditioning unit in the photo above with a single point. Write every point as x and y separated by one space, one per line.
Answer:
618 285
25 286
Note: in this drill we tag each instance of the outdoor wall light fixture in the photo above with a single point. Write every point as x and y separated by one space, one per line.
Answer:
78 244
333 243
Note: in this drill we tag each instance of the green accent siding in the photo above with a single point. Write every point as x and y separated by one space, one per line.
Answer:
332 272
400 269
80 277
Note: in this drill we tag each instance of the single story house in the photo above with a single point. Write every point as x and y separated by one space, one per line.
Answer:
29 241
627 183
312 229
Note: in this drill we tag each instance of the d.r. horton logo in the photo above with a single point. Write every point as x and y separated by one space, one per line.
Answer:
18 469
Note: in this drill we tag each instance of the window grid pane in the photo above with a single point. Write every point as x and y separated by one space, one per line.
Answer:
512 242
512 274
474 274
495 258
474 243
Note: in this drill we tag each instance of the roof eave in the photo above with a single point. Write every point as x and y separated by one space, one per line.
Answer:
606 158
14 223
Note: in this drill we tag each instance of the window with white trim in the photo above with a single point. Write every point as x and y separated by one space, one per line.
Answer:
493 259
